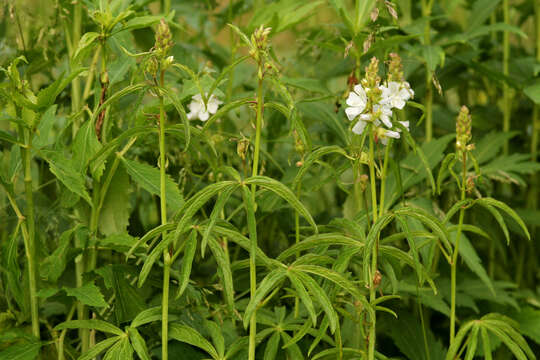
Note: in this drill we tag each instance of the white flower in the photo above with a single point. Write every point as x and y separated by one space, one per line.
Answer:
357 102
395 94
383 134
198 110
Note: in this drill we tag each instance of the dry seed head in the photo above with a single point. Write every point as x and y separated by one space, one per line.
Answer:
463 130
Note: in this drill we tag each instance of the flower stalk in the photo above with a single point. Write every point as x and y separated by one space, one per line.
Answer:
506 88
463 131
427 6
30 238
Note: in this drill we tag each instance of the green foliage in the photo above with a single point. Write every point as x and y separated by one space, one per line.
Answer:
179 179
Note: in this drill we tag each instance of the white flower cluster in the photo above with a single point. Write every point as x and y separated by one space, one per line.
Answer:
199 110
393 95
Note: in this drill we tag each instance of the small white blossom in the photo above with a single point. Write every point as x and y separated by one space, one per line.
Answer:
383 135
357 102
395 94
198 110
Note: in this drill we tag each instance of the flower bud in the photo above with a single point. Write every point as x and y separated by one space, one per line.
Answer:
163 39
260 37
463 130
298 143
242 148
395 68
151 66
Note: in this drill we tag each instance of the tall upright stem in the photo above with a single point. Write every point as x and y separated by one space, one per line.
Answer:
536 110
75 83
372 176
506 59
455 254
166 253
372 289
427 6
252 266
30 245
166 7
383 177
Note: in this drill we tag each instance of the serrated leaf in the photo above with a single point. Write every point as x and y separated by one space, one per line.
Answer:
148 177
85 45
138 343
99 325
65 170
88 294
191 336
114 214
24 351
187 263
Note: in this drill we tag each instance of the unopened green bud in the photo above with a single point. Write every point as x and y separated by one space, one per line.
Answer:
298 143
260 37
242 148
151 66
395 68
463 130
163 39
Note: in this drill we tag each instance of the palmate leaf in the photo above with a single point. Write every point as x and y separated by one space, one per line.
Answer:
120 350
147 316
191 336
99 348
266 286
24 351
94 324
187 262
501 327
138 344
285 193
303 295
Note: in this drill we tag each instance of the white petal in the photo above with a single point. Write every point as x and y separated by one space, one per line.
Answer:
359 127
392 134
197 97
386 121
398 103
353 112
195 106
358 89
212 107
356 101
405 124
192 115
204 115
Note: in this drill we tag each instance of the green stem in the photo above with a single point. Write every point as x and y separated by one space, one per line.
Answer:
536 110
372 175
506 59
383 177
372 286
75 83
166 6
252 268
455 254
29 243
426 13
297 240
166 253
